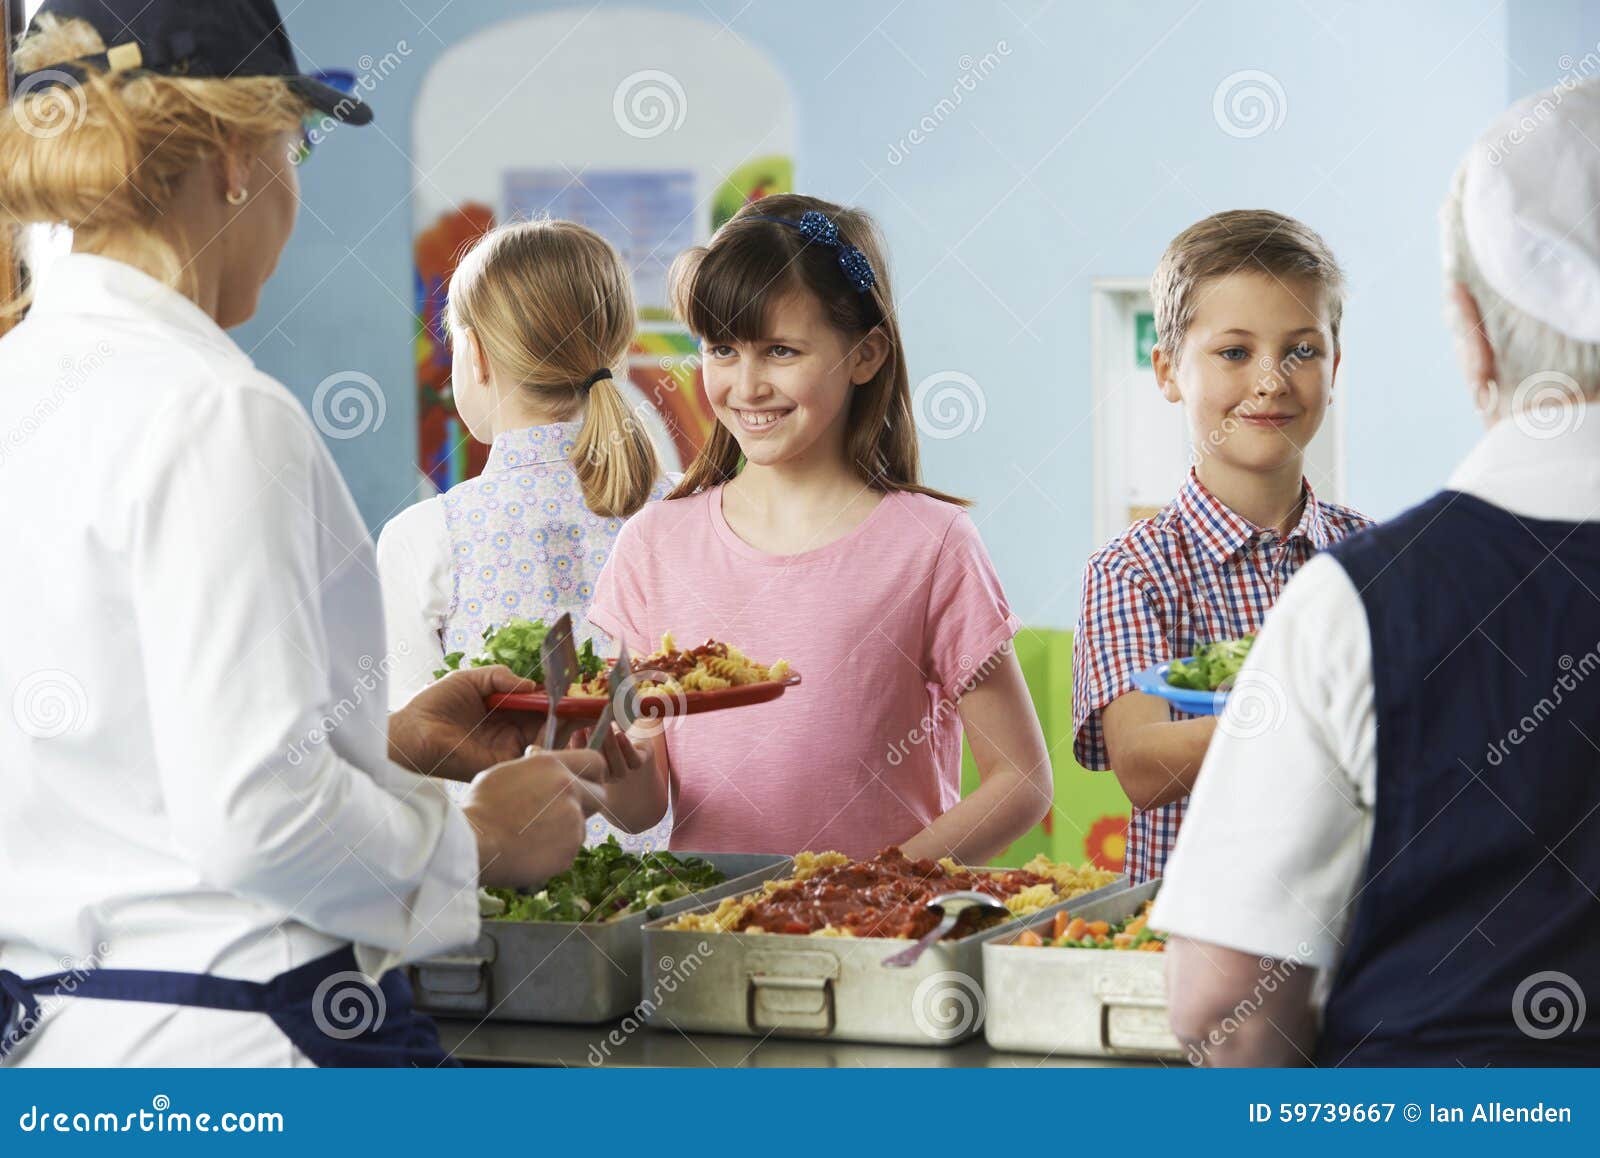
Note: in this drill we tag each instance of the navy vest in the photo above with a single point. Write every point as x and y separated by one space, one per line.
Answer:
1475 938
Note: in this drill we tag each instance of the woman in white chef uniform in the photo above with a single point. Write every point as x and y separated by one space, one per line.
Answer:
210 853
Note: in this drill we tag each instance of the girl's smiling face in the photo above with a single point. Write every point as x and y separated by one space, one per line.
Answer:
1257 369
786 396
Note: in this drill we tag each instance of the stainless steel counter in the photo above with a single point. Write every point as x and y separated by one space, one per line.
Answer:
624 1044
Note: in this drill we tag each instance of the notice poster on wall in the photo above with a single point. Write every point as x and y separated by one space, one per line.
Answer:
649 215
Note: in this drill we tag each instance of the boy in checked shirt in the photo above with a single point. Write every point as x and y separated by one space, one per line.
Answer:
1247 307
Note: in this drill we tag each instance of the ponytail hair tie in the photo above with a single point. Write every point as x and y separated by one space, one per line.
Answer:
593 378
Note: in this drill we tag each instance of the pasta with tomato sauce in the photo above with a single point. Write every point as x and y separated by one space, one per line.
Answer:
830 895
670 670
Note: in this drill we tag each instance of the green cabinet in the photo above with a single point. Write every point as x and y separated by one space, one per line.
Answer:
1088 820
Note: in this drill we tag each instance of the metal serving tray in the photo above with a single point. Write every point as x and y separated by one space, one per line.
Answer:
788 985
1079 1002
560 971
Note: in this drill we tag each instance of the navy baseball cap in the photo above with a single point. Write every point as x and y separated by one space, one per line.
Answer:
217 39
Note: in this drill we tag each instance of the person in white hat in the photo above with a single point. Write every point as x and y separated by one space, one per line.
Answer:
1393 853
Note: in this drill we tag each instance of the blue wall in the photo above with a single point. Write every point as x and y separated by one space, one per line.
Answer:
1090 145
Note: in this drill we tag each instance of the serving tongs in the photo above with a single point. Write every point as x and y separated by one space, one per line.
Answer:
559 656
619 710
621 699
952 905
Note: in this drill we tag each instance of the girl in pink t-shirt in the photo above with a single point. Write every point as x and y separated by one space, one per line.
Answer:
801 532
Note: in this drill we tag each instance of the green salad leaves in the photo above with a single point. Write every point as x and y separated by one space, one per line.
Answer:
1213 665
516 644
606 882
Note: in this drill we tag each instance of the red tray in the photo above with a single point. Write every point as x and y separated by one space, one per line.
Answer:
686 704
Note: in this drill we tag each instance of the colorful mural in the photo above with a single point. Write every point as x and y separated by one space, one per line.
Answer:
1107 842
445 452
750 182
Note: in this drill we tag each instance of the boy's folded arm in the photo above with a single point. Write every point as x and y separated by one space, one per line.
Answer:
1156 758
1122 629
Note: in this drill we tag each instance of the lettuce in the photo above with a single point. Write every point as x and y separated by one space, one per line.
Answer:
1212 665
517 644
605 882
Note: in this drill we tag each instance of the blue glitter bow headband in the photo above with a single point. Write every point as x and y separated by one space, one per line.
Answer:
814 226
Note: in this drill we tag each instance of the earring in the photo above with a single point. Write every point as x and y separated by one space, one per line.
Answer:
237 196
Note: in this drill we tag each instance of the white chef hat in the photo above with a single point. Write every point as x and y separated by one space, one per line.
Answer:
1531 207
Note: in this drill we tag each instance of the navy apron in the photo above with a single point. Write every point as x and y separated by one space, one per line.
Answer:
1476 932
326 1008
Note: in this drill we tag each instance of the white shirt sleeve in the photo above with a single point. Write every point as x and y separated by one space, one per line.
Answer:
414 568
1273 848
232 554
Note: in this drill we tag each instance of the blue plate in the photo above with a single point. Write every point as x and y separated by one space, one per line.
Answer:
1153 682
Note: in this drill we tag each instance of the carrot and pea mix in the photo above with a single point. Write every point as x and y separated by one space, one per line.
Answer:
1069 932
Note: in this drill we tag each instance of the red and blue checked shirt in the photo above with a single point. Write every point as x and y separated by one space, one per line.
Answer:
1195 573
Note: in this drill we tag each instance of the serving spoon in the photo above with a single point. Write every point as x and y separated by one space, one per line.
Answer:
952 905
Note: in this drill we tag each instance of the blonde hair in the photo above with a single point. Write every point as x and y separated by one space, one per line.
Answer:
105 156
551 303
1250 240
723 292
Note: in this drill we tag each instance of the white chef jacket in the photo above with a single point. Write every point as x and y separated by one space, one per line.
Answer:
193 769
415 572
1272 854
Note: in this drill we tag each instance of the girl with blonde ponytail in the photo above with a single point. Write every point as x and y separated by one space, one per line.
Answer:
541 318
541 313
